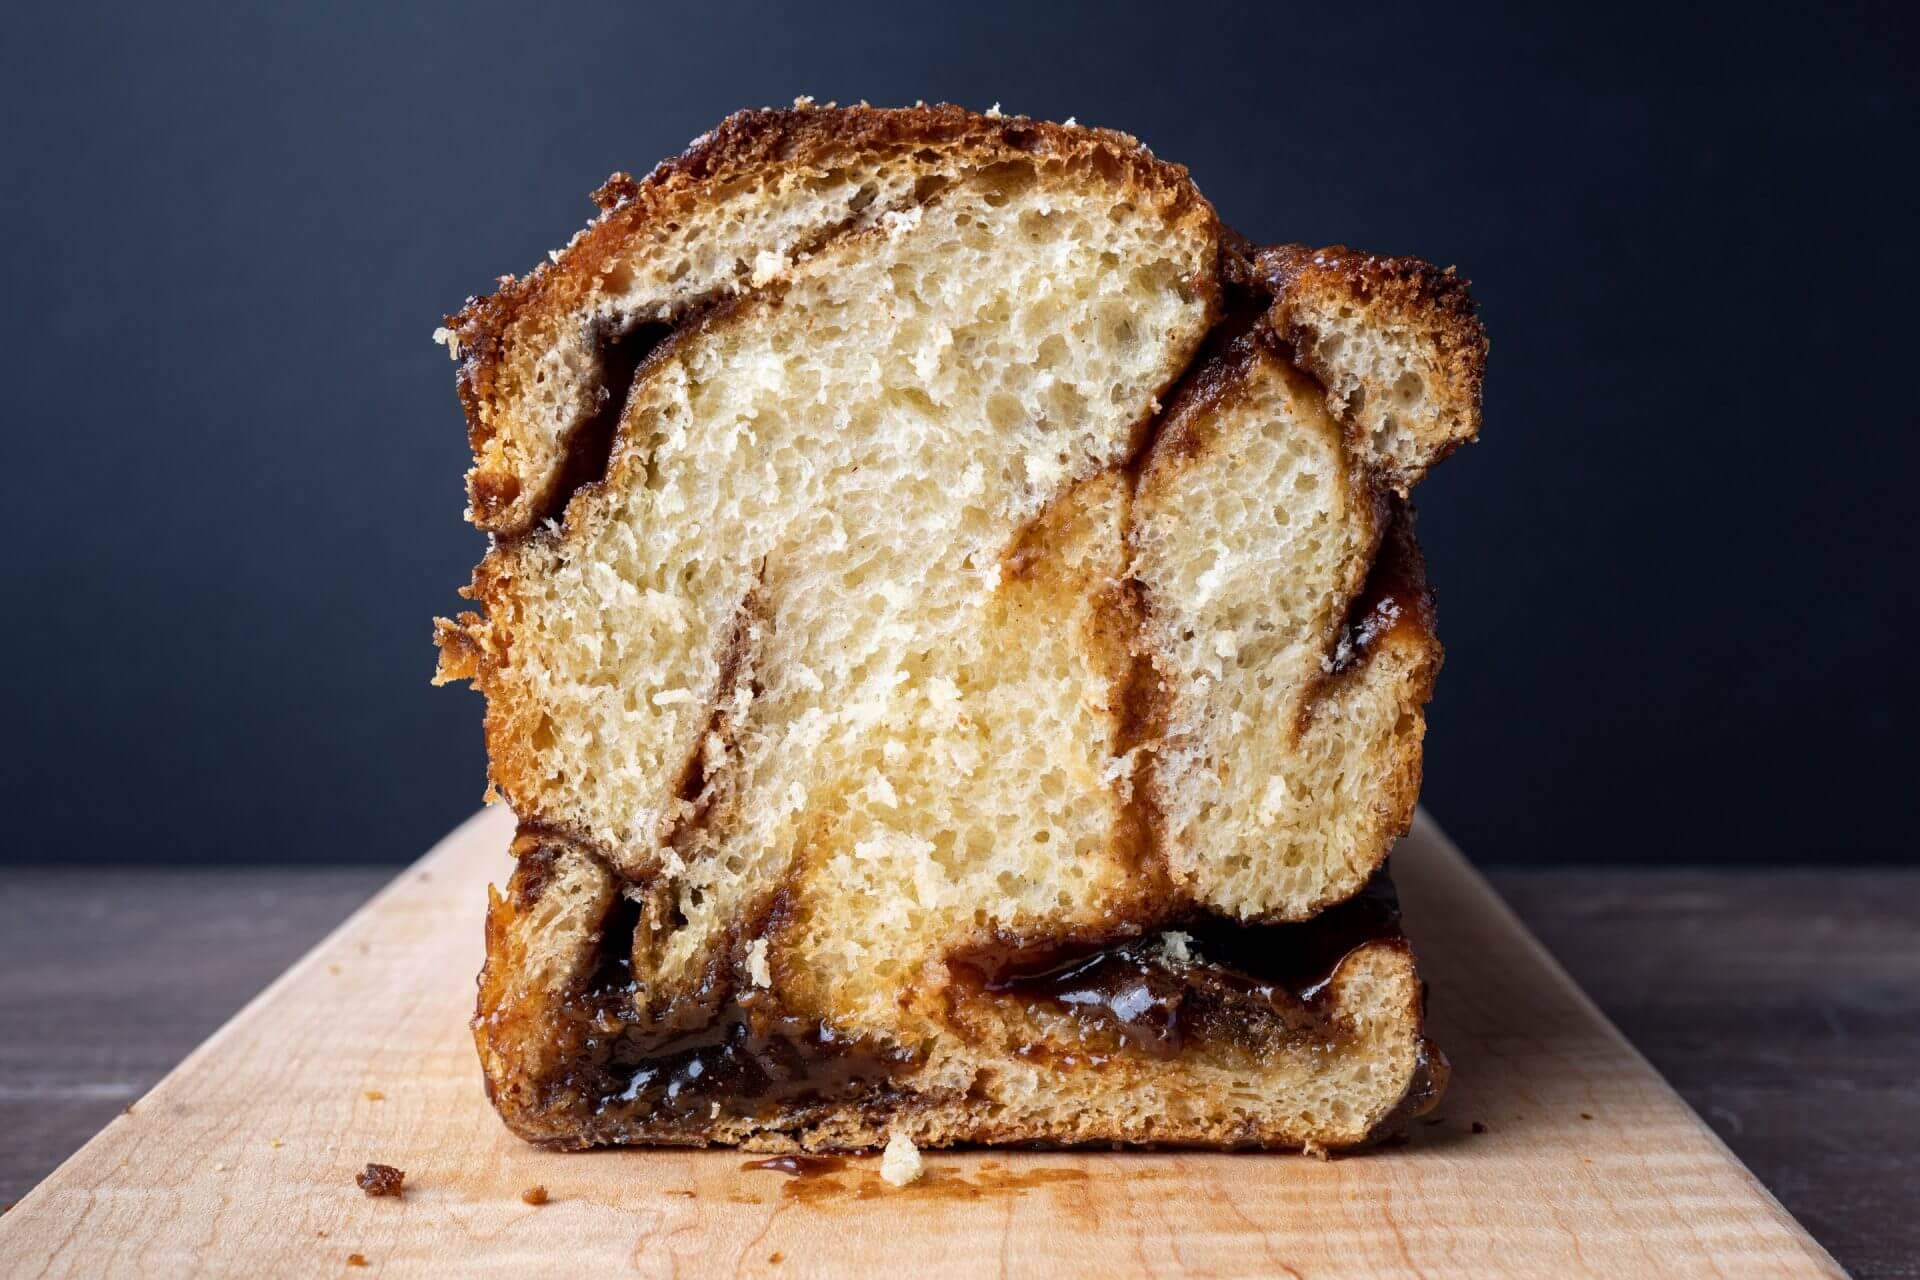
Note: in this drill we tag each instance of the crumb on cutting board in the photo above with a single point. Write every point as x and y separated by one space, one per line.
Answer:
900 1164
374 1095
356 1259
535 1194
381 1179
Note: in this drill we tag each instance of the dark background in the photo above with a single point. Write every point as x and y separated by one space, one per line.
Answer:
1675 578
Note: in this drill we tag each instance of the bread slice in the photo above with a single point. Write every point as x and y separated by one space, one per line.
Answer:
957 663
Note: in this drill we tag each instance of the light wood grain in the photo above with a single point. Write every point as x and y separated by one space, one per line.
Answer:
242 1160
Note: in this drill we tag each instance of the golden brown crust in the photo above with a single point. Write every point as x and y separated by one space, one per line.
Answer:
1383 293
806 138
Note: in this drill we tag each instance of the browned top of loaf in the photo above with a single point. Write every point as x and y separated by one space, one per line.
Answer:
1410 286
802 136
1385 293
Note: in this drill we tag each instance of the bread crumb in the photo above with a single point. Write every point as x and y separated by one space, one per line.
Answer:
1479 1126
766 266
1118 767
899 221
1274 800
535 1194
993 112
1177 947
900 1164
757 967
1317 1151
356 1260
275 1143
448 339
776 1257
374 1095
1586 1115
381 1180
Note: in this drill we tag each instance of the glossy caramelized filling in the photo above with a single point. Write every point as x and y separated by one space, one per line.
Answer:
729 1054
1215 980
717 1053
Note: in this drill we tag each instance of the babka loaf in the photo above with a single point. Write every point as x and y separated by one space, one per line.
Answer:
954 641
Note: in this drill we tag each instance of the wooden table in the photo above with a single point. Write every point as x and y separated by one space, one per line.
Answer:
1785 1007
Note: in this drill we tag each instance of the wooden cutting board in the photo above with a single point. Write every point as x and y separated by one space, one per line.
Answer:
1557 1152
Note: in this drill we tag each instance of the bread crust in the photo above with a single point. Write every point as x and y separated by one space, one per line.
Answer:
801 139
1377 292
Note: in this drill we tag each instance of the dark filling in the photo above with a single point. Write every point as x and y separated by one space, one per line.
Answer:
619 355
742 1052
1241 983
751 1059
1395 587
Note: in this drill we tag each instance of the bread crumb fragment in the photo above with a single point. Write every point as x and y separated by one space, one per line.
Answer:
374 1095
766 266
1176 947
899 221
900 1164
356 1260
535 1194
381 1180
757 967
